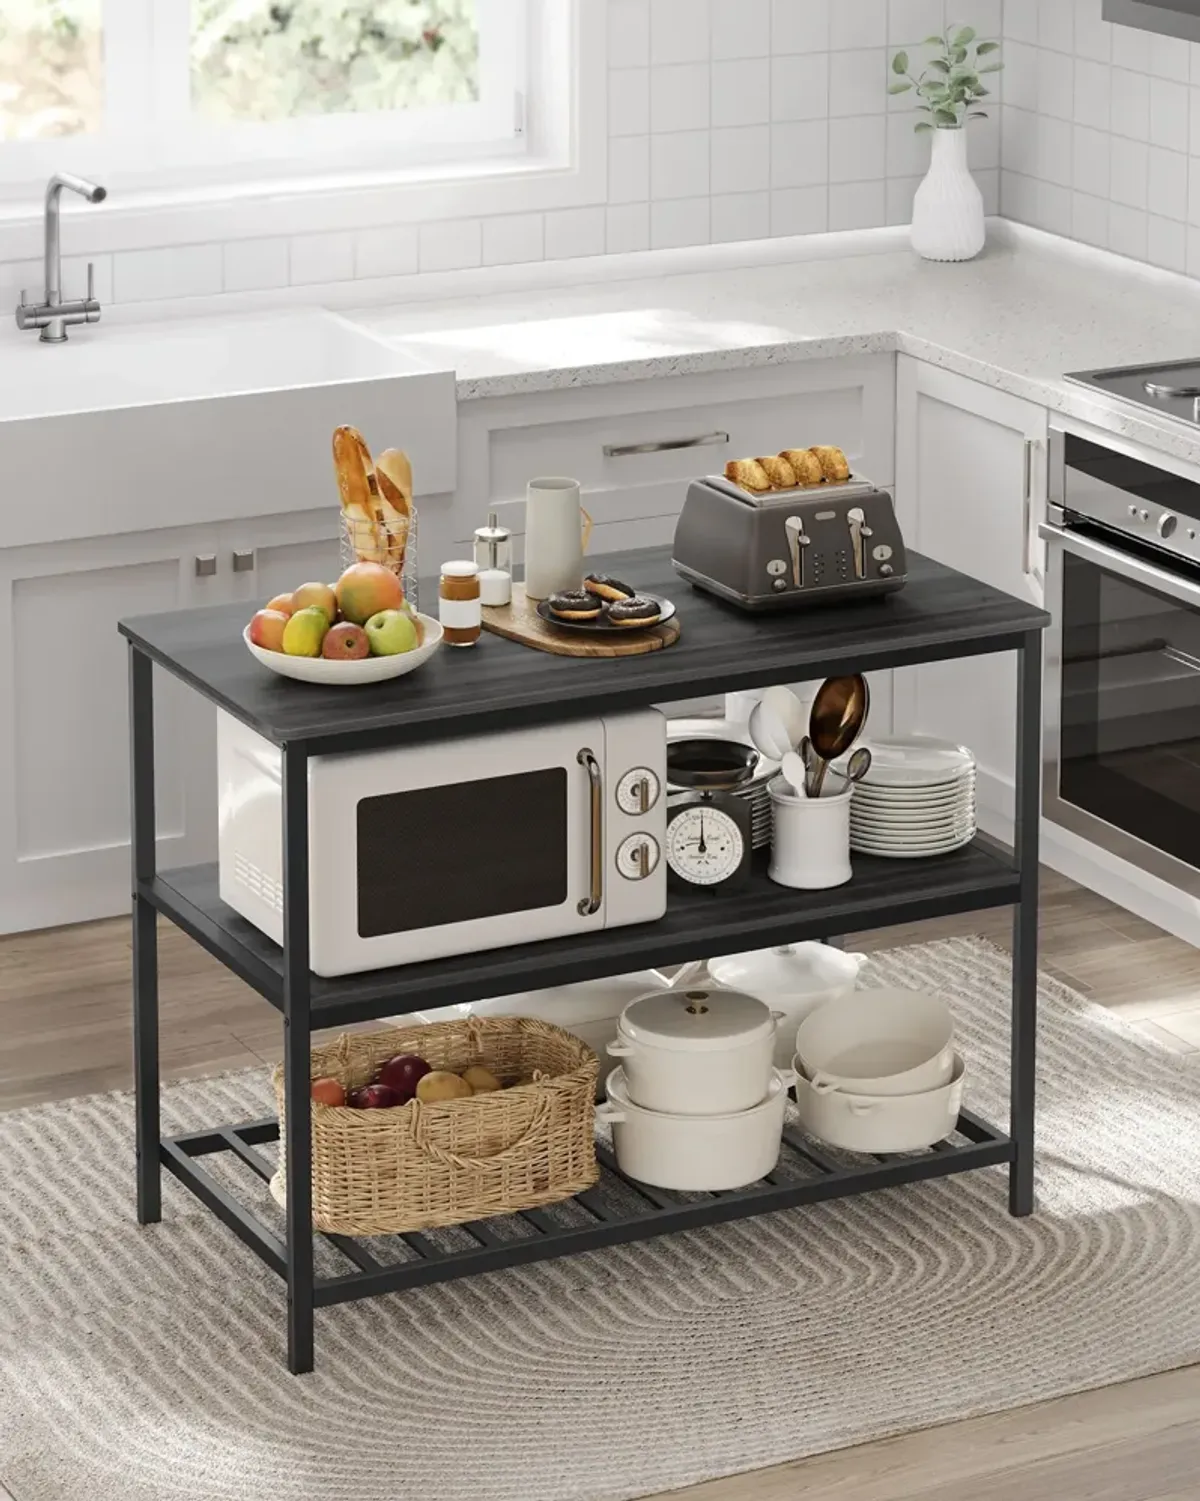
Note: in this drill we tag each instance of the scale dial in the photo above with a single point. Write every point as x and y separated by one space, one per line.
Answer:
638 856
704 845
638 791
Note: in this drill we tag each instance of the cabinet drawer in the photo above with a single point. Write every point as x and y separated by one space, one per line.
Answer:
635 446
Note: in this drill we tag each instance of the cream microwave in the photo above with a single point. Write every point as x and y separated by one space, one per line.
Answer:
424 851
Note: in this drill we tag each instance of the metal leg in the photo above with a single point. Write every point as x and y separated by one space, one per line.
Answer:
296 1064
145 938
1025 922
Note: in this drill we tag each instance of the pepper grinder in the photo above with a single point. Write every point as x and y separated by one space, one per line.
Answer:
493 546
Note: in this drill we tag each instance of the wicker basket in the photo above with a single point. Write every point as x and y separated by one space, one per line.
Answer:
378 1172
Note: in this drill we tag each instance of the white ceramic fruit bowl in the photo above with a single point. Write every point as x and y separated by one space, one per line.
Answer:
351 674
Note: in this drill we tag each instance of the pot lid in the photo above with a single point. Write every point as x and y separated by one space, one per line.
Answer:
798 969
696 1019
573 1005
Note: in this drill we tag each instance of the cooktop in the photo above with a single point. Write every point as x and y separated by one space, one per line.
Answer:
1172 390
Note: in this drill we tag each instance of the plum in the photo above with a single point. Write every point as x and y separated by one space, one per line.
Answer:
403 1073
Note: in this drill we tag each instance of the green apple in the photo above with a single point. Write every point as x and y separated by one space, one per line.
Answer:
390 633
304 632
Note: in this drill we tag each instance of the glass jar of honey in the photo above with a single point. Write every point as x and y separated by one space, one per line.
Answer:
459 608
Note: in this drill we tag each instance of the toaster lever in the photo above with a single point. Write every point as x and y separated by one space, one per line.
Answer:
859 530
797 541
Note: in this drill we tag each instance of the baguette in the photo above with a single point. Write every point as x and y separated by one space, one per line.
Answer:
393 475
805 465
359 492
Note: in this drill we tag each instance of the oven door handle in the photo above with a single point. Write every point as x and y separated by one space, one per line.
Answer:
1136 570
589 905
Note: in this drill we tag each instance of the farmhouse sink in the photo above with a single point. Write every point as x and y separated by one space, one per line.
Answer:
154 425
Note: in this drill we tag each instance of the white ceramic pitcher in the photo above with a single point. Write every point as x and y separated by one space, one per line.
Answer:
557 532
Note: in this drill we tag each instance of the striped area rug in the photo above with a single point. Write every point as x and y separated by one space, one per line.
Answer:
148 1365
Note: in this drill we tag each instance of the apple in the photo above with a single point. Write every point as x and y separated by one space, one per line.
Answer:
403 1073
373 1097
267 628
345 643
390 633
367 588
328 1091
316 596
304 632
282 602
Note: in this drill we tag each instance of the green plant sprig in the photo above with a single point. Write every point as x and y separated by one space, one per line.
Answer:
950 86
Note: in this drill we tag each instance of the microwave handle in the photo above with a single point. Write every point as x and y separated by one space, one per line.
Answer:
590 904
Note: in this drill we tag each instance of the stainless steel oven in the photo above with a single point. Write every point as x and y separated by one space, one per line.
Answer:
1123 655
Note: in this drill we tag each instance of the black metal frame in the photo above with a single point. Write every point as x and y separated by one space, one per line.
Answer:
656 1212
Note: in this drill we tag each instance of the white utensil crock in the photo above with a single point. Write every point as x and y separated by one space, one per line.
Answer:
878 1042
703 1051
795 979
947 221
557 531
810 838
881 1123
695 1153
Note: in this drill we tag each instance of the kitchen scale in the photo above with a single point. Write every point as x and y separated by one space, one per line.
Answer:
709 839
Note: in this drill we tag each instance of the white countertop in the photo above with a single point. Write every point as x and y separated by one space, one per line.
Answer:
1031 309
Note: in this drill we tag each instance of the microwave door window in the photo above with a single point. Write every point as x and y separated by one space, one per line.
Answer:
1131 708
468 850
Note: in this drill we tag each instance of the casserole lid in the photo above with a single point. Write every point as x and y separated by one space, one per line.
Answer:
563 1005
793 969
699 1019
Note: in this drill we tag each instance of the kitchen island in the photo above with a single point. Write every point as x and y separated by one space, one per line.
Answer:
940 615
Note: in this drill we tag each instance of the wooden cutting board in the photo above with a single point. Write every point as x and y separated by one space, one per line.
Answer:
520 621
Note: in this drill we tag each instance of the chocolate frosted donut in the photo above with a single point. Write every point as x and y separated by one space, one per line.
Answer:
636 611
608 588
575 604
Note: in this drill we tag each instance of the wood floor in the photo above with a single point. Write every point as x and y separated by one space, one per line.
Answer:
64 1014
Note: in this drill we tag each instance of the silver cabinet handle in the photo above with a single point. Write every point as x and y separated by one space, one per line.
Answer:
663 445
590 904
243 562
1028 567
206 565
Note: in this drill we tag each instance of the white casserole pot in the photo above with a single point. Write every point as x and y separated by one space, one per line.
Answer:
795 979
697 1153
881 1123
701 1051
878 1042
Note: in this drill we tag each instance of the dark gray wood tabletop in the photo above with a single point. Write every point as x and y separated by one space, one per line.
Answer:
497 684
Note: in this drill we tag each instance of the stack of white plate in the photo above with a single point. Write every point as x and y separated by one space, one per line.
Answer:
918 799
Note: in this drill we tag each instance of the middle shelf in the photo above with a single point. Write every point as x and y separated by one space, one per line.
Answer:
698 925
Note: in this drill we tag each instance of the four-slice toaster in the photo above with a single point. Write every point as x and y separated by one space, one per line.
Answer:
787 549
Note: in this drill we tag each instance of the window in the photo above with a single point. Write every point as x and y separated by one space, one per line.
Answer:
155 92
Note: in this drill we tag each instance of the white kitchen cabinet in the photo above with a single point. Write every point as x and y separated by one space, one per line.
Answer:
970 491
64 799
634 497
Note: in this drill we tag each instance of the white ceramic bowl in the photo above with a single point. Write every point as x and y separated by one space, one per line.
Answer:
882 1123
351 674
695 1153
878 1042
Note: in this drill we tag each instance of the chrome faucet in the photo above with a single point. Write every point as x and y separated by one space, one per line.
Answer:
54 316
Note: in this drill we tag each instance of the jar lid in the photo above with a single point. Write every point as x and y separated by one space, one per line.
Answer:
696 1020
460 570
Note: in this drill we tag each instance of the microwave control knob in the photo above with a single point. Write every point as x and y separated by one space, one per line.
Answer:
638 857
638 791
1167 524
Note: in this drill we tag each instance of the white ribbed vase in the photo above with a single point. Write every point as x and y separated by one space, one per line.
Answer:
947 222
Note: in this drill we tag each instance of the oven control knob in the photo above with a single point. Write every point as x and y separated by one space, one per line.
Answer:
638 791
1167 524
638 856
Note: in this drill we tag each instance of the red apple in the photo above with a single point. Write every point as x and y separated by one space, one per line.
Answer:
403 1073
267 628
346 643
373 1097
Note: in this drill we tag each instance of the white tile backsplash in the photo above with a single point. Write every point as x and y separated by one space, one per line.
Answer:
725 119
1134 151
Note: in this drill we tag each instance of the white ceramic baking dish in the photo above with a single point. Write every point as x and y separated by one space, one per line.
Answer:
878 1042
697 1153
881 1123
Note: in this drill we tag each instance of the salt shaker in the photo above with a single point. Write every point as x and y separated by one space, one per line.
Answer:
493 546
